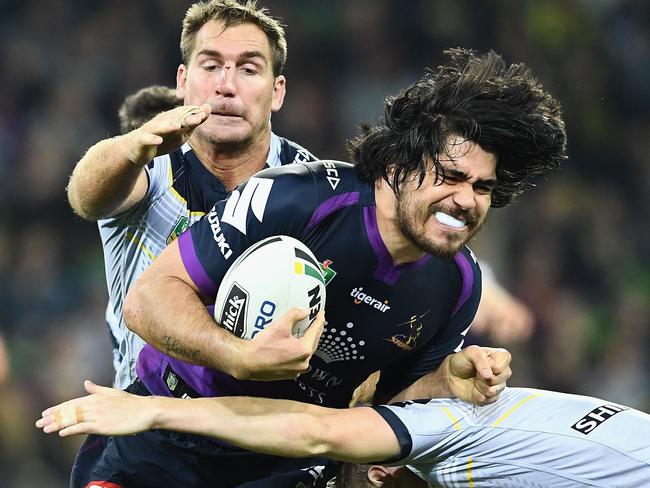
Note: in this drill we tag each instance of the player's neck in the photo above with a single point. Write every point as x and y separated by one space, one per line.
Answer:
399 246
232 166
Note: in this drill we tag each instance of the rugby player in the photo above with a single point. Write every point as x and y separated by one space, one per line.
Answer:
529 437
149 185
391 232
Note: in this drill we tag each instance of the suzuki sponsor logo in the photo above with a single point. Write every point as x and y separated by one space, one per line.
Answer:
361 297
596 417
217 233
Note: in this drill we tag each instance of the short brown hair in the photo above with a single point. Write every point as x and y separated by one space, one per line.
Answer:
230 12
145 104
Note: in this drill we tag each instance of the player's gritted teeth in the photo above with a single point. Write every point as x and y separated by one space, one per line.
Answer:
449 221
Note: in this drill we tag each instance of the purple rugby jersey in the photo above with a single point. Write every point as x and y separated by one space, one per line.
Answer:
402 320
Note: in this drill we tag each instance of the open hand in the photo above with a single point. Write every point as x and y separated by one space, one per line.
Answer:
104 411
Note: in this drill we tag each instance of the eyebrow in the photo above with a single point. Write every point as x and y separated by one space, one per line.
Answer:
244 55
461 175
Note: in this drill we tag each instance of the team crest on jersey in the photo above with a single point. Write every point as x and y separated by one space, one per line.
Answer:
176 386
172 381
328 272
181 226
406 340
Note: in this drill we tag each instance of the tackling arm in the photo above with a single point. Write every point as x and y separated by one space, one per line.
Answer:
110 177
278 427
105 181
474 374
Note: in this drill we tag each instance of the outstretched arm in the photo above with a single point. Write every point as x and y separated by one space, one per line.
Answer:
110 177
164 308
278 427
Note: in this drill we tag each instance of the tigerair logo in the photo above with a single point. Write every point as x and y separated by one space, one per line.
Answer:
361 297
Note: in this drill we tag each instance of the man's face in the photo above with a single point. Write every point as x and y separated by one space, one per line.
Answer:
232 70
439 217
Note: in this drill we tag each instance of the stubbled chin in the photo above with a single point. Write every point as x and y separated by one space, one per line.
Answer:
226 131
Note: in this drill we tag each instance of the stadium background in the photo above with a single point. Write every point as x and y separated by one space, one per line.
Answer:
575 249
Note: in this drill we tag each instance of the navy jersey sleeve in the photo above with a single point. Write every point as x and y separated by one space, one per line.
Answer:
448 339
276 201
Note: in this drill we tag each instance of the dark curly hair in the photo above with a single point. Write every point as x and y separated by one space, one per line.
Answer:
502 108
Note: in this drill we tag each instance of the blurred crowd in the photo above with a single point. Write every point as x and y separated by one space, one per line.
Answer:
575 251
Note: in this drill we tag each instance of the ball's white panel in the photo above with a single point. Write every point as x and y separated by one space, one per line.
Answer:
272 275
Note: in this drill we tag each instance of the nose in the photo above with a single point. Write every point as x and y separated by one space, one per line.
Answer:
225 83
464 195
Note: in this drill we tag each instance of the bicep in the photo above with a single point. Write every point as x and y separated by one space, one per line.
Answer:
169 266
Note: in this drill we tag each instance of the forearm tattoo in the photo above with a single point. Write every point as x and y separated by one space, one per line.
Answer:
173 347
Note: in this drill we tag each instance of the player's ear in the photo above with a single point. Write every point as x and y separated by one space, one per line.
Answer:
181 79
380 476
279 90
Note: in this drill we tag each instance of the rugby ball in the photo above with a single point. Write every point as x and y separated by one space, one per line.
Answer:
271 276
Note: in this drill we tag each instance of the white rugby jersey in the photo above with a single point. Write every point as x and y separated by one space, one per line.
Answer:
180 191
529 438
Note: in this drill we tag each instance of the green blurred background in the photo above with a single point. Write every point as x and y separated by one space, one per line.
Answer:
575 250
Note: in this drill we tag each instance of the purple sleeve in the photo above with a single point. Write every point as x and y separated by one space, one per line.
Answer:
193 266
277 201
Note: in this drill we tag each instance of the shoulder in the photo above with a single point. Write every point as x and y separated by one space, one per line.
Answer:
289 152
168 164
327 173
470 276
296 191
467 262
